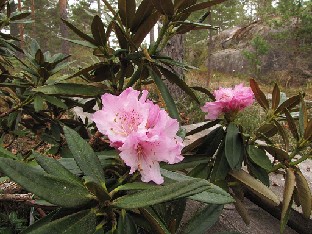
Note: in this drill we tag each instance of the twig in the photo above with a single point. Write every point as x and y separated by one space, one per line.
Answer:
41 212
16 197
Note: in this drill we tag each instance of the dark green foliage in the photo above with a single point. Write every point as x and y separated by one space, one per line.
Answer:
93 192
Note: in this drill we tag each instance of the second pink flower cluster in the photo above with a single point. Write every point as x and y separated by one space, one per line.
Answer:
229 100
143 133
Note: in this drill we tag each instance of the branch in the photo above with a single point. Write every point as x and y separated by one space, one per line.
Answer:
16 197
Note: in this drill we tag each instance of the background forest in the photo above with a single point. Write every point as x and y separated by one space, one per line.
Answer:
289 23
62 61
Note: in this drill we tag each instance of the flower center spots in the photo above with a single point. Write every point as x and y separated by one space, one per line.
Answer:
141 156
126 122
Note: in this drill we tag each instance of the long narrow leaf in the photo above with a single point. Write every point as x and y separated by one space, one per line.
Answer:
234 147
79 33
55 190
203 220
175 79
212 195
259 95
171 106
84 155
161 194
54 167
256 186
81 222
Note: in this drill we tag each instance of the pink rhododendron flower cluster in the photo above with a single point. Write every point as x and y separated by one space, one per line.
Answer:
228 100
143 133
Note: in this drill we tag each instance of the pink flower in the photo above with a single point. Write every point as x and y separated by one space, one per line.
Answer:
229 101
122 115
213 109
144 153
143 133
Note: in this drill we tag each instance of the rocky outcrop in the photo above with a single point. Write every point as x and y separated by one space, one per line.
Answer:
284 58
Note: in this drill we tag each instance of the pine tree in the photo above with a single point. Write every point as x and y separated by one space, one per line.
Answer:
63 28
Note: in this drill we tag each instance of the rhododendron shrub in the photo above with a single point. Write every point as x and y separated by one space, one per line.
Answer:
229 146
143 133
229 101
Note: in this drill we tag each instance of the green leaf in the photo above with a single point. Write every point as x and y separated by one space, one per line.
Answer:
308 131
165 7
145 28
55 101
189 26
201 171
84 155
19 15
135 186
212 195
80 222
288 104
85 70
126 224
268 130
79 33
161 194
41 222
259 173
39 57
122 38
221 167
241 210
98 32
6 154
303 117
171 106
259 157
95 188
202 5
192 146
283 134
175 79
291 124
38 103
54 167
80 42
157 224
277 153
144 10
212 142
286 218
203 127
127 12
183 4
304 194
189 161
71 90
259 95
234 148
55 190
256 186
288 194
203 220
276 96
169 61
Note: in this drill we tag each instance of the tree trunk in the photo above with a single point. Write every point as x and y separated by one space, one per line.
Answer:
210 48
14 29
99 6
32 8
175 50
63 28
21 26
152 36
